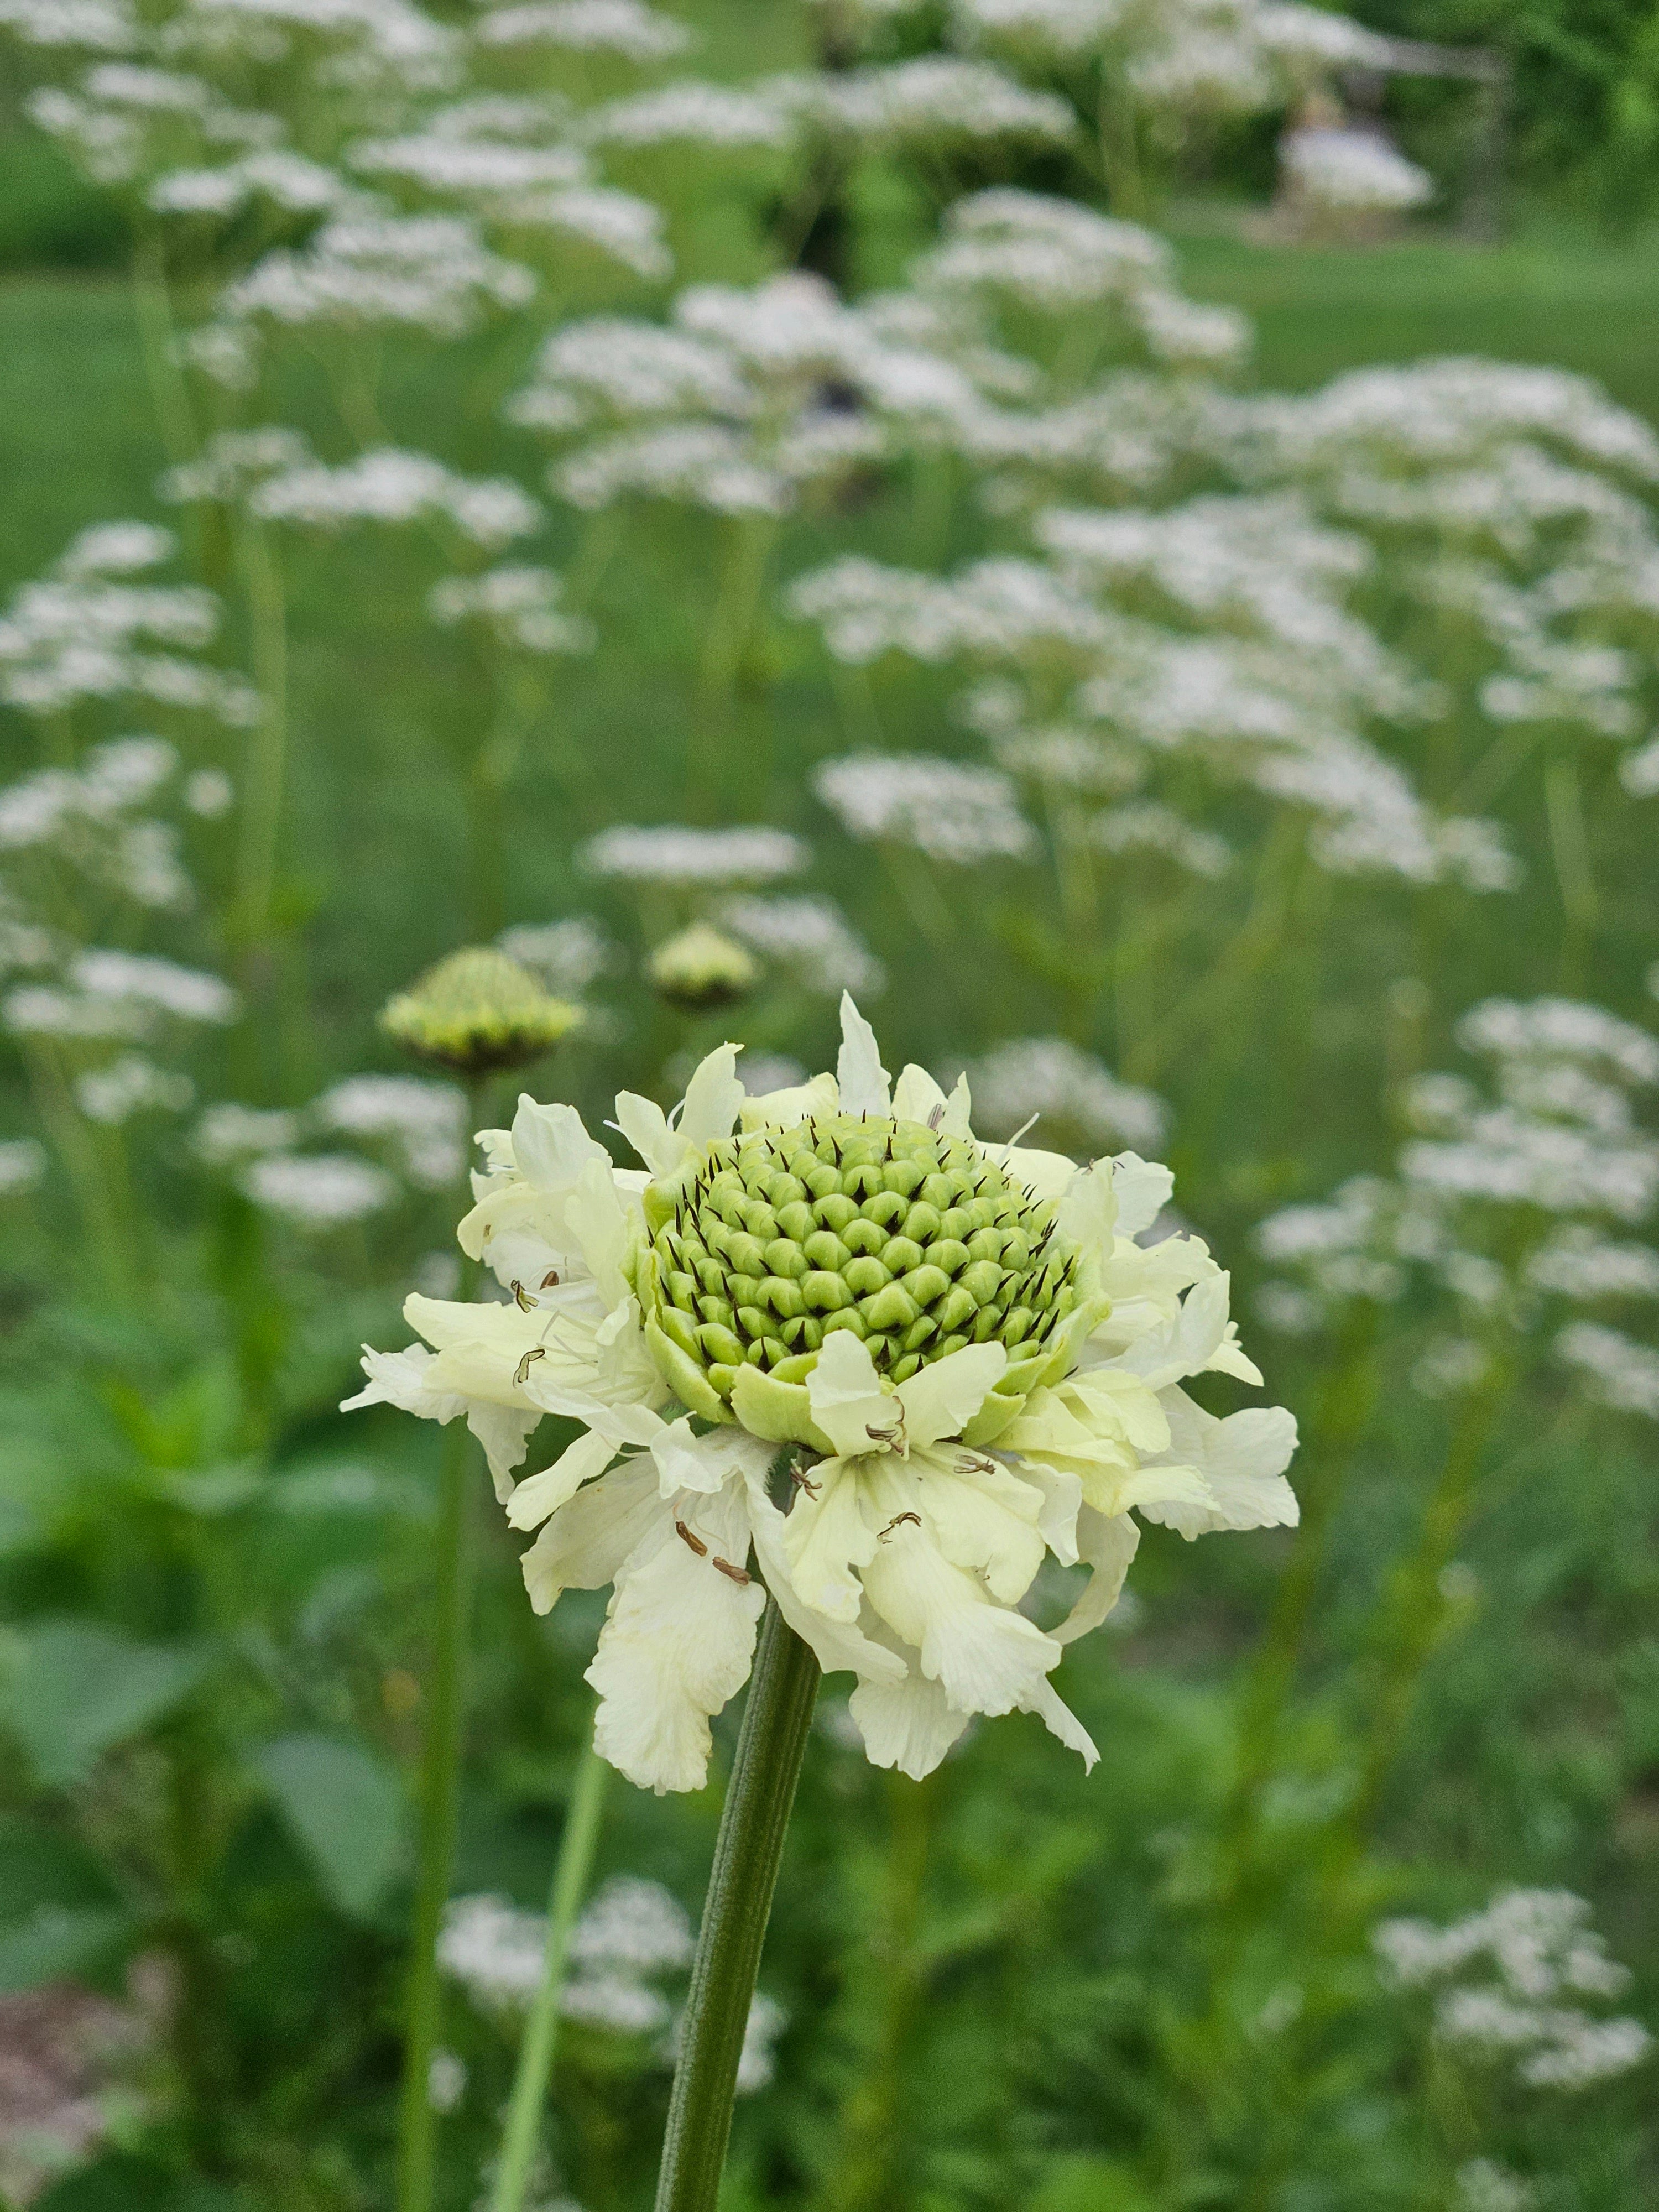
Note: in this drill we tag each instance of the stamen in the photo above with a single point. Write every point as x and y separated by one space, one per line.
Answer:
551 1280
804 1482
521 1296
696 1542
894 1522
735 1574
536 1352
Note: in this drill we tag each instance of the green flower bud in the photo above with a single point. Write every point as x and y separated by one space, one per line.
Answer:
478 1011
702 966
742 1271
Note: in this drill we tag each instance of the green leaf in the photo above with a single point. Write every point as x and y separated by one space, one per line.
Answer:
77 1687
344 1807
55 1940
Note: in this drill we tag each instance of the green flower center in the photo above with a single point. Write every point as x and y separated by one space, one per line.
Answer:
911 1239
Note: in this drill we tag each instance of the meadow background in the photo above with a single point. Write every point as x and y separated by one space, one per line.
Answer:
1159 1988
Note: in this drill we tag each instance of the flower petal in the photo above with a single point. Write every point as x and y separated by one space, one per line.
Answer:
705 1464
538 1495
402 1379
858 1072
786 1110
840 1647
713 1098
1144 1188
1060 1720
1108 1542
983 1518
1241 1460
552 1146
848 1403
826 1535
678 1643
940 1399
906 1724
985 1658
645 1124
504 1431
585 1541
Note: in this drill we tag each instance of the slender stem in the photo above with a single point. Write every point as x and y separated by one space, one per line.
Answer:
154 309
758 1798
440 1794
266 767
441 1769
1415 1607
571 1871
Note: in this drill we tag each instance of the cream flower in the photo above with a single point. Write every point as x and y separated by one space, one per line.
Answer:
830 1344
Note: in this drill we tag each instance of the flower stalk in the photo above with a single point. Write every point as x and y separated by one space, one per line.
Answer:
572 1871
758 1800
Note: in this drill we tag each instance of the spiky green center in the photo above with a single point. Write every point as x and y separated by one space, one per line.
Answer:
913 1240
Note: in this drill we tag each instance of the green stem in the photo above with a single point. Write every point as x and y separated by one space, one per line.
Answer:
441 1771
154 308
1415 1607
571 1872
758 1798
265 764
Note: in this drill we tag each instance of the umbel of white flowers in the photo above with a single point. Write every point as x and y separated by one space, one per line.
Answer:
969 1356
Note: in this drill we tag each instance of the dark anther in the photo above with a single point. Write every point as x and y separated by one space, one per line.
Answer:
696 1542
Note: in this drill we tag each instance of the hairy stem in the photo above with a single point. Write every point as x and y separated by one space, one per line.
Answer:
758 1798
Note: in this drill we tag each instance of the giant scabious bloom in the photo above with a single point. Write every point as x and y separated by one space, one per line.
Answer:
958 1351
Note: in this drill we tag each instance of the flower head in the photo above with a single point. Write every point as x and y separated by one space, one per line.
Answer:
475 1010
956 1352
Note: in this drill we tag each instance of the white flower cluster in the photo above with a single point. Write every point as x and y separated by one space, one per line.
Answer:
566 957
1335 167
1535 1952
414 1125
275 474
1503 1200
671 854
104 994
946 809
86 631
519 606
808 937
1074 1095
89 819
626 27
633 1938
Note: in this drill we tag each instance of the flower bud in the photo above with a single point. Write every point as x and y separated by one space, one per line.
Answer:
478 1011
702 966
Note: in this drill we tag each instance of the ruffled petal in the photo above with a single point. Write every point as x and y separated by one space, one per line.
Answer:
1143 1188
840 1646
906 1724
539 1495
1060 1720
787 1108
984 1657
859 1073
1109 1542
678 1643
940 1399
1241 1460
826 1535
403 1379
585 1541
504 1431
984 1518
848 1403
714 1099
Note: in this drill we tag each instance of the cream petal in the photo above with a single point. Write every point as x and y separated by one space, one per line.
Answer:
940 1399
678 1643
917 1098
1143 1188
906 1724
598 1222
826 1535
705 1464
1047 1175
861 1077
985 1658
645 1124
839 1646
1088 1210
539 1495
404 1379
1060 1720
788 1108
1242 1460
550 1145
983 1518
1062 1494
584 1544
504 1433
848 1403
1187 1343
1108 1543
713 1098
